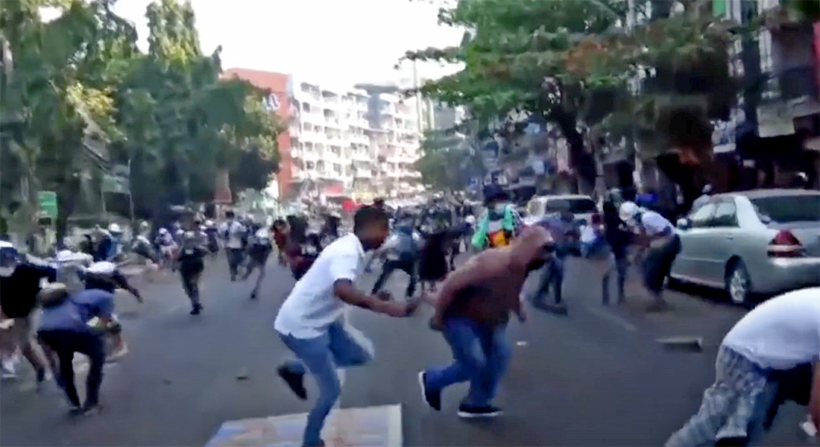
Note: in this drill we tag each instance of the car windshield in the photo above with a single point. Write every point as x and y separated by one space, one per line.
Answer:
576 205
786 209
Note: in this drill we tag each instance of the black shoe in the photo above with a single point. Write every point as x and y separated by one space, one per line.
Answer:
484 411
295 381
253 295
431 397
196 309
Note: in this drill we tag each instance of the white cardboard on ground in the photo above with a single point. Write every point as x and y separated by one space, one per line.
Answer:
369 426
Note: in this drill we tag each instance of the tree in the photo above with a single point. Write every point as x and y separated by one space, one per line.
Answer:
569 62
60 88
445 163
85 94
183 124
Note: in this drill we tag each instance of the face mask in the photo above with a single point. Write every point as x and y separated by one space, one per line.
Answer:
5 272
500 208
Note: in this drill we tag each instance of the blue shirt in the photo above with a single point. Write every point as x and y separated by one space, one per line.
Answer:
74 313
559 228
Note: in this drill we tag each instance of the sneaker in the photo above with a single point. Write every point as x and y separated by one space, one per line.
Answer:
90 409
118 354
253 295
295 381
196 309
9 372
431 397
483 411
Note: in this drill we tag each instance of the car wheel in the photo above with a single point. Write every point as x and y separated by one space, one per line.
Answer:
738 283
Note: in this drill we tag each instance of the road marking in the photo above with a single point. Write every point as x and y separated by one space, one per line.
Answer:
612 318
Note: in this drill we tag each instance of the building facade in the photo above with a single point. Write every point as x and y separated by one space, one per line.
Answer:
340 142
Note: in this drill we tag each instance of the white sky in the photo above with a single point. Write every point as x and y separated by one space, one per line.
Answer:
344 41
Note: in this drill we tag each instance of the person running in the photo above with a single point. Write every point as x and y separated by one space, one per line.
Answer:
259 248
311 320
233 232
19 285
191 265
72 323
658 236
472 309
280 237
769 357
212 234
402 251
618 237
563 231
106 276
499 223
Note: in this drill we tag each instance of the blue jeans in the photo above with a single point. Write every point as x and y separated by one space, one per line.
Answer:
480 354
552 275
321 356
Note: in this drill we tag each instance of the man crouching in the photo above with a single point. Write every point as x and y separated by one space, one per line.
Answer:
472 310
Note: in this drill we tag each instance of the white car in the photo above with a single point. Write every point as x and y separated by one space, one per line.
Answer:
581 206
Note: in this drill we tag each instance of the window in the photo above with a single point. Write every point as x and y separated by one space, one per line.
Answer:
725 215
702 216
788 209
576 206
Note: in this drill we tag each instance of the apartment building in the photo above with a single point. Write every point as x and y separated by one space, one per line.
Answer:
395 139
332 152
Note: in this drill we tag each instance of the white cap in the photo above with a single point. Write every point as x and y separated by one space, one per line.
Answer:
627 211
114 228
6 244
163 231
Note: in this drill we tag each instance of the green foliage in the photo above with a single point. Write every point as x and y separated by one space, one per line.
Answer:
80 81
444 163
570 61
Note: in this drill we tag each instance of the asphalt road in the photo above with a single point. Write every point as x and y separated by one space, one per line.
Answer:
595 377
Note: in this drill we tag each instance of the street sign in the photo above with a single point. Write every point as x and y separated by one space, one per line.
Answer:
47 201
117 181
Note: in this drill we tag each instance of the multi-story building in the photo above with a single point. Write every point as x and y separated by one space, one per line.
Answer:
395 139
340 141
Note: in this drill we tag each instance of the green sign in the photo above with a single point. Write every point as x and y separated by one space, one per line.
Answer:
117 181
48 203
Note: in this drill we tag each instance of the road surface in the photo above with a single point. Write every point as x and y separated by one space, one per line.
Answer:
595 377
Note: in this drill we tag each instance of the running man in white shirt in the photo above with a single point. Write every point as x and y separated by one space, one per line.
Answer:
663 245
769 357
234 234
311 320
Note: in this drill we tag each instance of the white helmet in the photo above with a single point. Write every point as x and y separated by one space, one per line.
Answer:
627 211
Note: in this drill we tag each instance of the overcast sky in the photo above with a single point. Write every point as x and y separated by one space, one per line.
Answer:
346 41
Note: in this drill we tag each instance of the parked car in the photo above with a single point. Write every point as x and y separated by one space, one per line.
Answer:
752 242
539 207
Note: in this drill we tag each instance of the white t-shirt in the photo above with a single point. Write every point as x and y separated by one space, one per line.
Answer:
781 333
654 224
234 231
311 306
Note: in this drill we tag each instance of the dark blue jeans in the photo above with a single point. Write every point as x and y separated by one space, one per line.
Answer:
552 275
480 354
65 344
321 356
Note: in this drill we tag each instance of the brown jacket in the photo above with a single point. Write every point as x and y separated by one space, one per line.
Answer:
488 286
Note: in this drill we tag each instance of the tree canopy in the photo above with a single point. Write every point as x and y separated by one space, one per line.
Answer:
575 63
80 89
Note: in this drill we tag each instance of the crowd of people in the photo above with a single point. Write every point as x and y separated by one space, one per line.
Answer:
764 361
